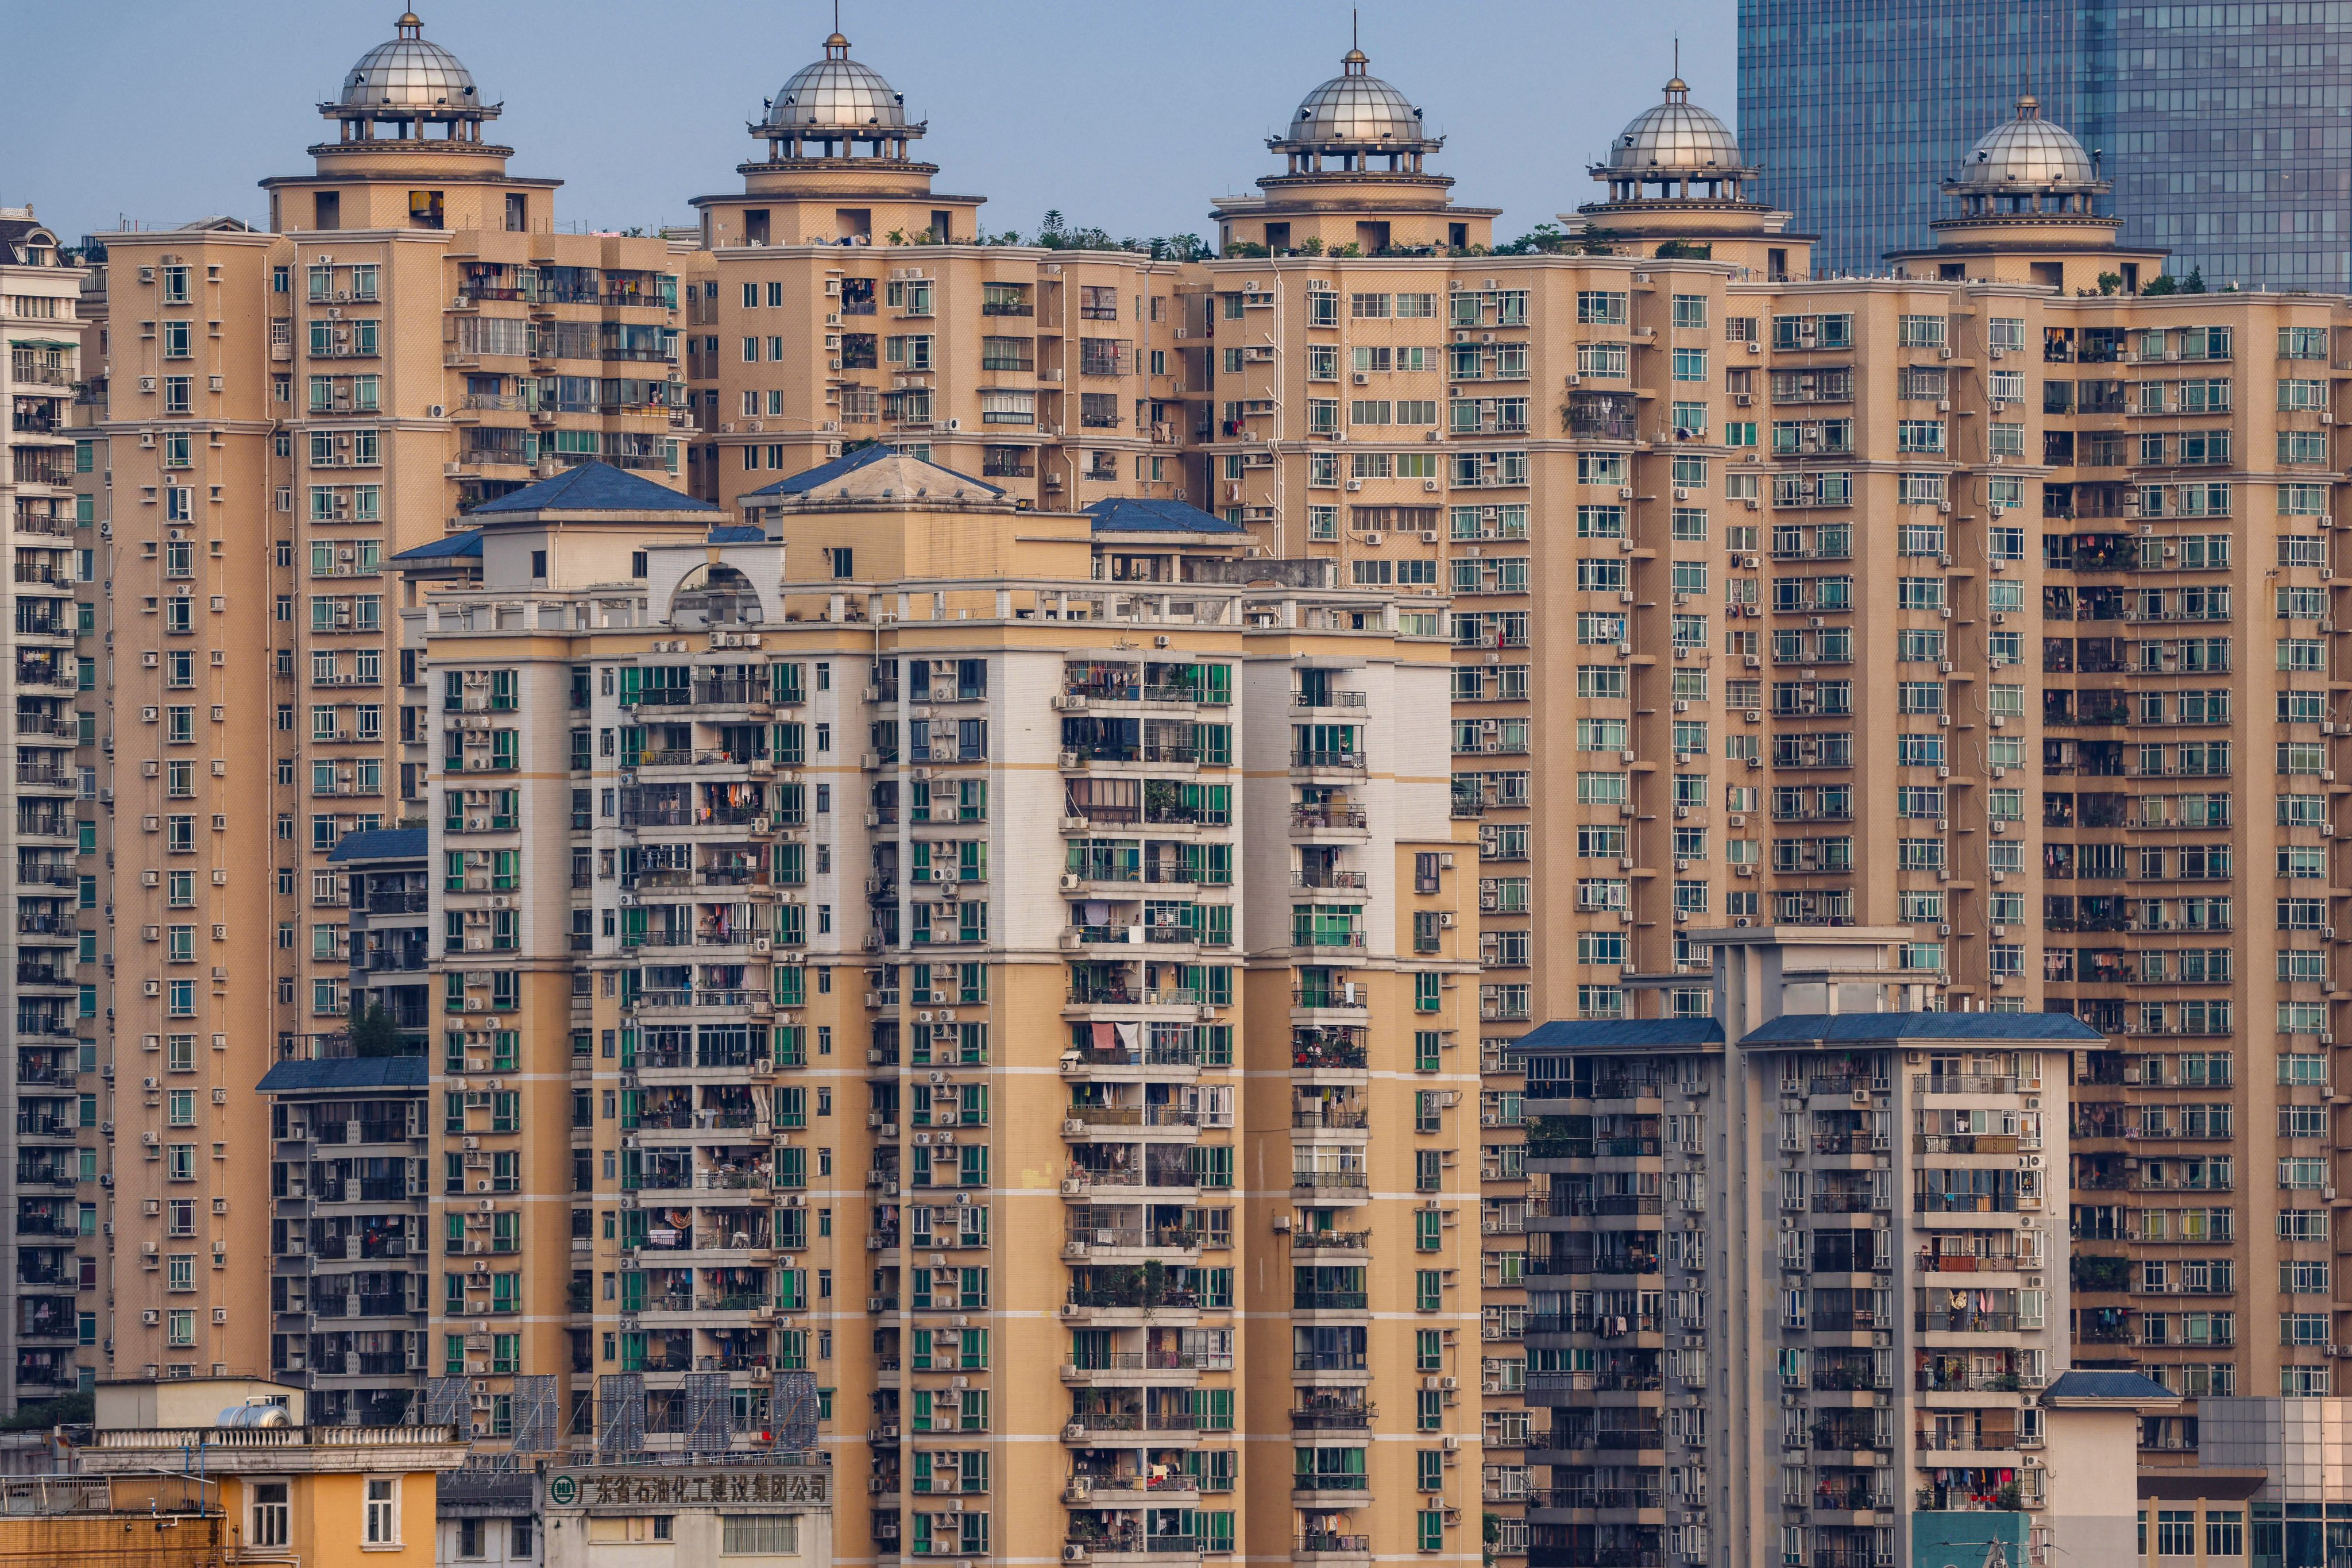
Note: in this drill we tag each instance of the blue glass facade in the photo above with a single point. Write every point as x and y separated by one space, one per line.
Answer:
2227 129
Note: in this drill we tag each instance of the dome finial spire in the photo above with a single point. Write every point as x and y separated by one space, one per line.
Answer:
1355 61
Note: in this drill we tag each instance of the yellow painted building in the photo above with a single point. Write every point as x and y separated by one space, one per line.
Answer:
271 1487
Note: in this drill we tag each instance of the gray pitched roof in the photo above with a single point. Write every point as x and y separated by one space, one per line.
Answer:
382 844
1803 1028
1131 514
1621 1034
826 473
2123 1387
449 547
346 1072
592 487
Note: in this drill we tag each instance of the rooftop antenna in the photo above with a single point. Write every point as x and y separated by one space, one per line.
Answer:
1355 32
1678 53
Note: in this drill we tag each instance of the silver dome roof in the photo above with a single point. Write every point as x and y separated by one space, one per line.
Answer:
838 93
1355 107
1675 134
409 72
2027 151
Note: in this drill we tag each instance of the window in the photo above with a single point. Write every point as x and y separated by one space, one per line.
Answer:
271 1522
2176 1532
759 1534
381 1525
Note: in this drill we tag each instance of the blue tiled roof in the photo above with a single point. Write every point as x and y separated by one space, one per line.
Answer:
382 844
738 533
1621 1034
808 479
1794 1028
449 547
2116 1386
593 486
1130 514
346 1072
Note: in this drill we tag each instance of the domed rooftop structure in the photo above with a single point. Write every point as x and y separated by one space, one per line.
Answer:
837 91
409 72
2026 151
1674 151
832 107
405 84
1351 120
2027 168
1675 134
1355 106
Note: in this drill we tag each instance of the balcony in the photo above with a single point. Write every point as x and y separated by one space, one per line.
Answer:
1327 1185
1322 1543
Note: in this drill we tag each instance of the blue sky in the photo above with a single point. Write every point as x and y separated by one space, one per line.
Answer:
1131 116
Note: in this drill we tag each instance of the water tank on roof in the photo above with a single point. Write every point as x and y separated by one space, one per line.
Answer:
254 1416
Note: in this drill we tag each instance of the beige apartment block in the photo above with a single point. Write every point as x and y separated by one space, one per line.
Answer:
276 414
837 298
1010 965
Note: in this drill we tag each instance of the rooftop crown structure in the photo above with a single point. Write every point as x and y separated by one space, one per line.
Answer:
2029 203
833 107
1355 176
404 85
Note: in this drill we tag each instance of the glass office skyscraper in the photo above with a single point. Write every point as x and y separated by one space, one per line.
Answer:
2226 128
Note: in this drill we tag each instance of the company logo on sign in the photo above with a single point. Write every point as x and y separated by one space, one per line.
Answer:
688 1488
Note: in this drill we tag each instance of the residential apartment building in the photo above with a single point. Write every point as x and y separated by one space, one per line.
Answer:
273 415
1743 637
962 940
1805 1300
39 297
1856 108
350 1173
837 297
1773 601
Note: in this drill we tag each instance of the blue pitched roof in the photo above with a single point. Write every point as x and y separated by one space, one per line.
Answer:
1803 1028
380 843
737 533
449 547
1132 514
2117 1385
808 479
1621 1034
346 1072
593 486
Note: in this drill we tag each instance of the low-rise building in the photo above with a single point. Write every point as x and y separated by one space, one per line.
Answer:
277 1488
751 1514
